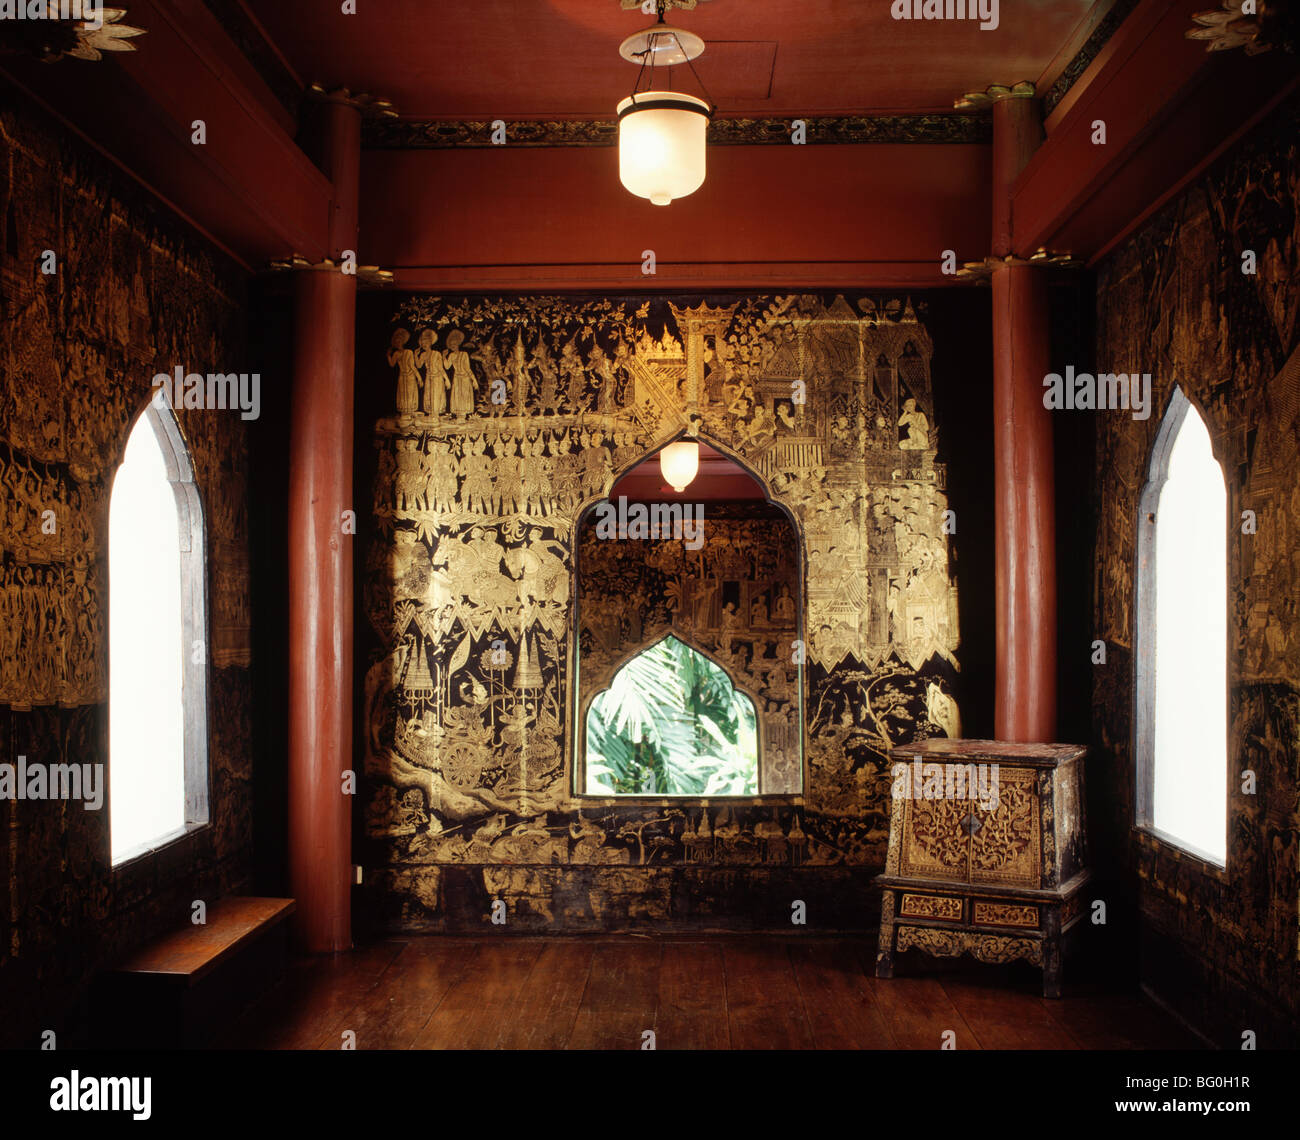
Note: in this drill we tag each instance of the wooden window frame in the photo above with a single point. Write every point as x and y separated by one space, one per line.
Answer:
1144 636
194 630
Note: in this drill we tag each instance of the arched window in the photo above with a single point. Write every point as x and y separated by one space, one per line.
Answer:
688 658
157 703
671 723
1181 651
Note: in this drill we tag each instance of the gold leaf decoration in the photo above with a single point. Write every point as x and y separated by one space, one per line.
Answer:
111 35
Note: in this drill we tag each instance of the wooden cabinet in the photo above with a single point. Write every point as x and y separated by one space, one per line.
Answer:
986 852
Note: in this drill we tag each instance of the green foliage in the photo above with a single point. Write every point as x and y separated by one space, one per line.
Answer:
672 724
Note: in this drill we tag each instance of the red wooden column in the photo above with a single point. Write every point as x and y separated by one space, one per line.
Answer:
1024 520
320 557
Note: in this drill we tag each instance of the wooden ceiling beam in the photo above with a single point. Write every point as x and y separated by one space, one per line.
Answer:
1169 108
249 188
794 217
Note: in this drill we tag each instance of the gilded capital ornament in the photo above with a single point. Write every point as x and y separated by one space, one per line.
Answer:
1255 25
368 276
53 37
995 93
981 271
370 106
659 5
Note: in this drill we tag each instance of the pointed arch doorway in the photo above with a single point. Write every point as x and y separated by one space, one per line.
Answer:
689 606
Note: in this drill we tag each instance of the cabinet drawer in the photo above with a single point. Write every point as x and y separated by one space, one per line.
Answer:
931 906
1006 914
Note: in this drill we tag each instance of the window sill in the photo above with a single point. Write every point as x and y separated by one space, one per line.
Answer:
1155 840
164 844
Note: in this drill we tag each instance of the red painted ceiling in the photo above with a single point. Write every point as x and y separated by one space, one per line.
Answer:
478 59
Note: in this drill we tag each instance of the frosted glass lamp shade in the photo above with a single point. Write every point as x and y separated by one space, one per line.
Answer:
661 145
680 462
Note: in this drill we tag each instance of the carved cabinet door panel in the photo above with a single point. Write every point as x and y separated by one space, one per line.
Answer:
1006 841
972 842
936 843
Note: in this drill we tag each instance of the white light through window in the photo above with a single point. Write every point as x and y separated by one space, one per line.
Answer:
146 647
1189 680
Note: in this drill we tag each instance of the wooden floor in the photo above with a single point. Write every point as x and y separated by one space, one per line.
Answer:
694 993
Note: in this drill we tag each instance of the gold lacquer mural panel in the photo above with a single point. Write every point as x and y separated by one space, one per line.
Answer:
100 289
1178 301
509 417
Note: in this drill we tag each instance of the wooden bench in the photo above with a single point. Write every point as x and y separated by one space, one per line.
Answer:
183 988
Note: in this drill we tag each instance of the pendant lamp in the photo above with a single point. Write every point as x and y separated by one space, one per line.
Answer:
680 463
662 133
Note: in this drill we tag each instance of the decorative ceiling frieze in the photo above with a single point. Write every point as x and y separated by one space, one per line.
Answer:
439 134
1083 58
249 37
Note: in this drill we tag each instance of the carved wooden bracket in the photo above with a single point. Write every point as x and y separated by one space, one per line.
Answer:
1251 24
995 93
981 271
370 106
368 276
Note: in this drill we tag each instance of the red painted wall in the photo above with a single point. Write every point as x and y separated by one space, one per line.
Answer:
871 215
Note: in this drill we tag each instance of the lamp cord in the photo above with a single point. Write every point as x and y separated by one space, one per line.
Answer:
691 64
648 56
645 55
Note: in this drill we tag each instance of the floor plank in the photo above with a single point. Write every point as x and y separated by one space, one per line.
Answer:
393 1013
621 997
313 1006
841 1007
919 1014
916 1010
548 1003
479 1006
764 992
1003 1018
692 998
764 1006
1101 1020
